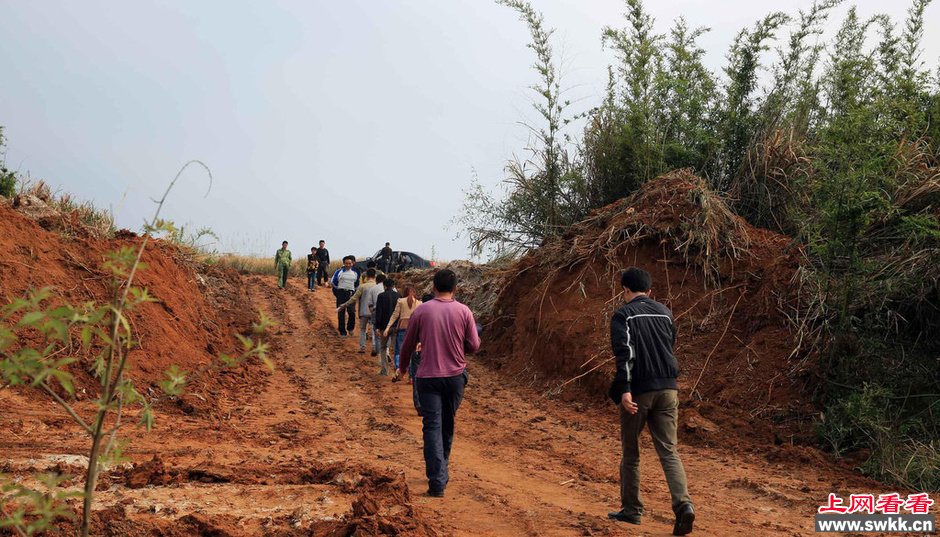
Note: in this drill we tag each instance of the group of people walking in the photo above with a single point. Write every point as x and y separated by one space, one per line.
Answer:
370 297
431 338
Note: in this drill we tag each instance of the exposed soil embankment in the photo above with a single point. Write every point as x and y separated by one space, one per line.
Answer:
192 475
727 283
197 312
478 285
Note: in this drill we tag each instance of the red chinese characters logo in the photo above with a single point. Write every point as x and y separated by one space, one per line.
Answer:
888 504
918 504
834 505
862 503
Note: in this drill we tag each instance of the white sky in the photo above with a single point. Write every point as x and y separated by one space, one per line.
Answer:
358 121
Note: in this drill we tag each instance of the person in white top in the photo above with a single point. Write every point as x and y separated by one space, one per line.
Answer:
344 283
365 316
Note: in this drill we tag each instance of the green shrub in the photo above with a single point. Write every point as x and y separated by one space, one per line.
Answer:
7 183
7 177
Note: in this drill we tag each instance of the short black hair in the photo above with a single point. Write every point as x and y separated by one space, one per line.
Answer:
371 264
380 278
389 283
349 257
427 297
322 241
312 248
283 243
445 281
636 280
388 244
370 273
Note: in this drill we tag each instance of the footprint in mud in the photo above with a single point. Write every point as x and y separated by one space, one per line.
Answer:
375 424
287 429
762 490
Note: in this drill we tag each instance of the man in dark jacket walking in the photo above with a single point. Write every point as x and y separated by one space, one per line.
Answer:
386 256
384 307
323 257
642 336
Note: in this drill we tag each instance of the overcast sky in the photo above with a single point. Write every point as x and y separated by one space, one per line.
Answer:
356 121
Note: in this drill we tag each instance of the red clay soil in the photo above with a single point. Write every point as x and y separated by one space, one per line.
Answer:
328 447
199 308
727 284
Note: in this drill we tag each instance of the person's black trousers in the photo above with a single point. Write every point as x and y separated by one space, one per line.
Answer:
322 276
346 317
439 398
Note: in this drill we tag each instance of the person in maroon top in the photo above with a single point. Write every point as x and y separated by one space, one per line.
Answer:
447 331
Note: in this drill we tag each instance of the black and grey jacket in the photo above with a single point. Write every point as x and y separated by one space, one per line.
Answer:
323 256
642 336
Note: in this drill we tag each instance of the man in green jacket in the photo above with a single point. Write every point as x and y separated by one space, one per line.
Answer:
282 260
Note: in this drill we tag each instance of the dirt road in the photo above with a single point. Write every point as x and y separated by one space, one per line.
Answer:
521 465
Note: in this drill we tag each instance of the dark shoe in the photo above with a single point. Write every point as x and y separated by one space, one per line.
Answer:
620 516
685 516
374 353
342 334
362 351
435 493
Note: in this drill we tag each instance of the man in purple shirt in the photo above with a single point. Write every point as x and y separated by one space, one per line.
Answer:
446 330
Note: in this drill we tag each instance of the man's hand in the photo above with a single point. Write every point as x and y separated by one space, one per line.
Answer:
627 401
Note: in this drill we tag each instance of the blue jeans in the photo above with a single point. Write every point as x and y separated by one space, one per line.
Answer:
439 399
311 280
412 372
399 340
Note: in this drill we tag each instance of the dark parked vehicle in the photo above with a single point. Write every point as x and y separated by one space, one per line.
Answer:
400 262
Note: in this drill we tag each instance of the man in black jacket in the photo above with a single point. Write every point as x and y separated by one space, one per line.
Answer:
386 258
384 307
642 336
323 257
